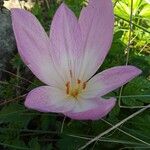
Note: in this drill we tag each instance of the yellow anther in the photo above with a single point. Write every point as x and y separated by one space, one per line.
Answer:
67 87
79 81
84 85
70 73
74 90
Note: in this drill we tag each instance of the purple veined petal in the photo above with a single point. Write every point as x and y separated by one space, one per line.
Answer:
91 109
33 46
96 22
49 99
65 36
110 79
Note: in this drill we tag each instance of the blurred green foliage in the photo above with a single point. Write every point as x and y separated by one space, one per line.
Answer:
140 20
26 129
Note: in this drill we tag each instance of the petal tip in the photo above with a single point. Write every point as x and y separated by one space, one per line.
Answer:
18 14
139 71
63 4
111 103
136 70
26 104
27 101
16 10
63 7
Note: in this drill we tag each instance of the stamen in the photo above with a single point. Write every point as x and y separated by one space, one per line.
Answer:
74 89
84 85
68 87
70 73
79 81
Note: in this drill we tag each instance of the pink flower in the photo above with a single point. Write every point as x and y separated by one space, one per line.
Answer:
68 59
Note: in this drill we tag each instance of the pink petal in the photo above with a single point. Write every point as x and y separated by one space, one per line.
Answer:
96 22
48 99
99 108
33 45
66 39
110 79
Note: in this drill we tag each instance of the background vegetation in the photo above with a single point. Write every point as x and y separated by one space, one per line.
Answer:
23 129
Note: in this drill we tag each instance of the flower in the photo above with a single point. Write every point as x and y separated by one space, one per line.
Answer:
67 60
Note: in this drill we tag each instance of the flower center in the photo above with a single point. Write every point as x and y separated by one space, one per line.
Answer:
75 89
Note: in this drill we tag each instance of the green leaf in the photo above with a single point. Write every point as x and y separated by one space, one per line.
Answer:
70 143
47 121
145 12
34 144
17 62
138 86
14 114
